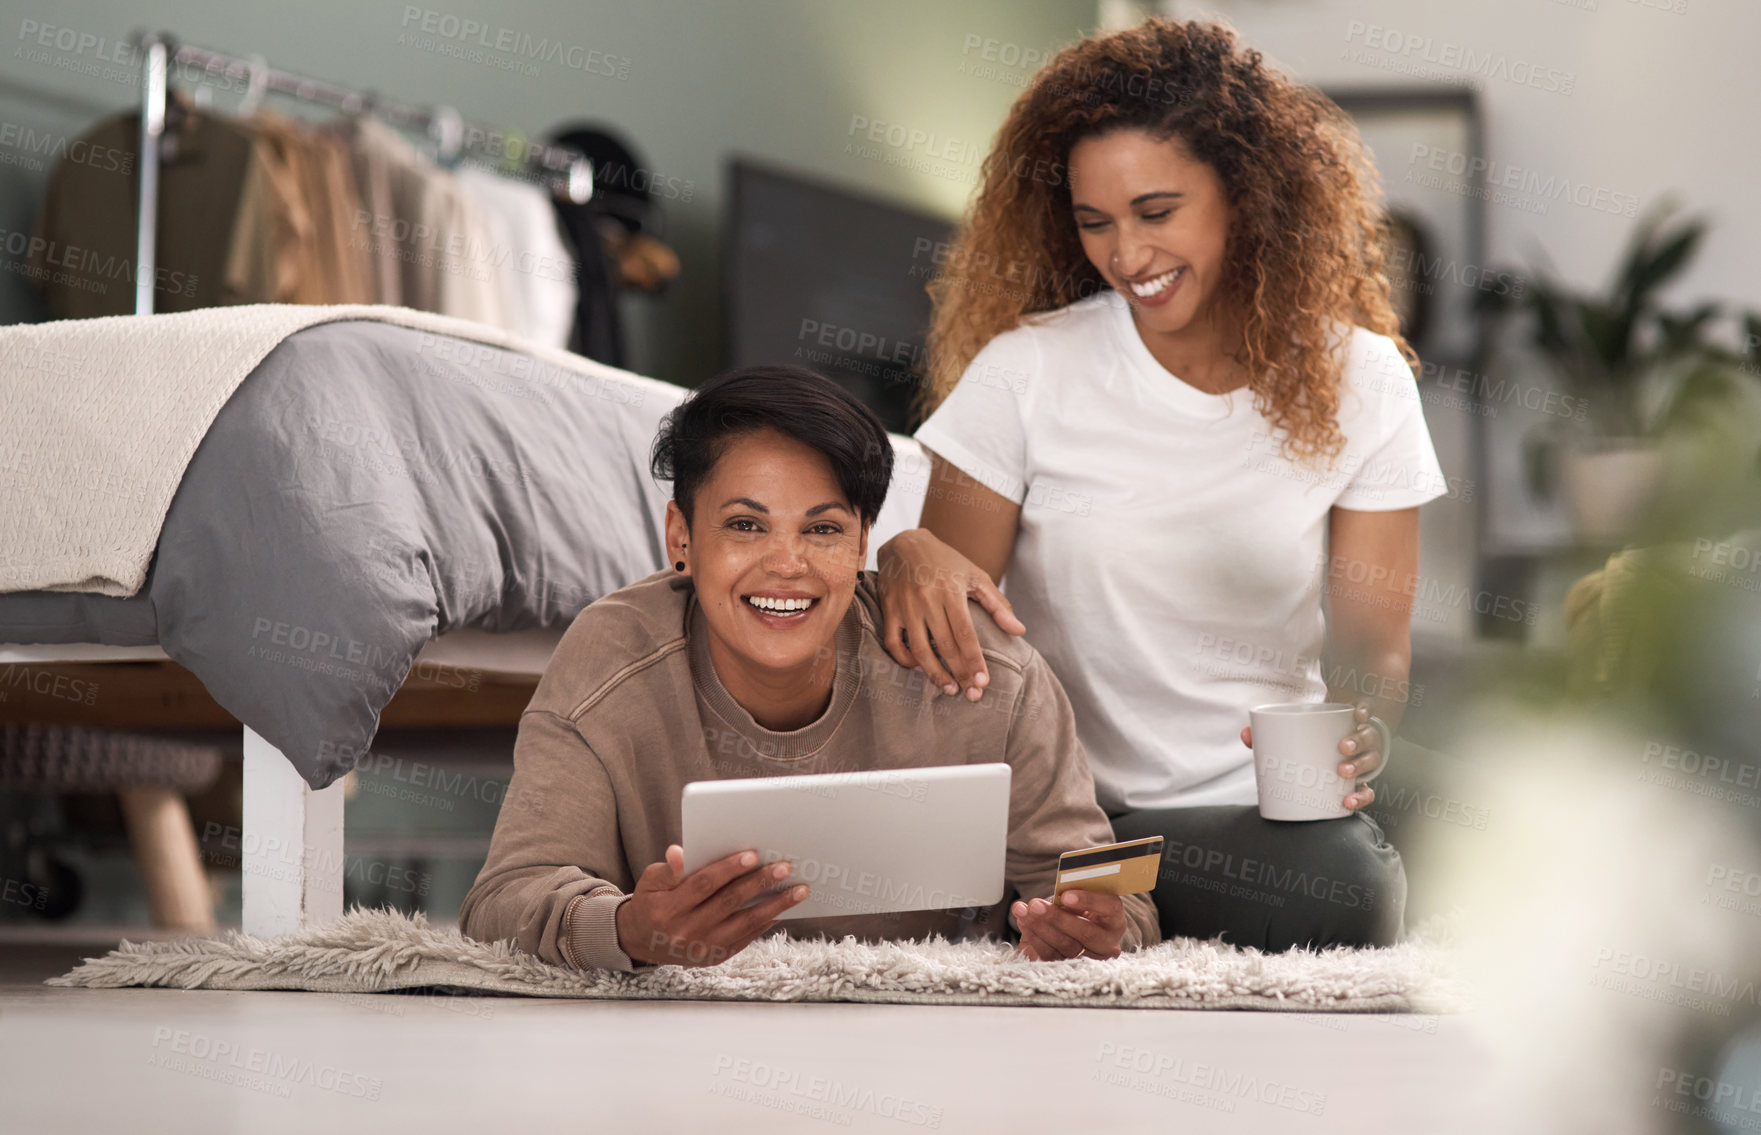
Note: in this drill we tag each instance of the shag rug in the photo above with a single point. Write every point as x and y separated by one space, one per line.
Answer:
386 951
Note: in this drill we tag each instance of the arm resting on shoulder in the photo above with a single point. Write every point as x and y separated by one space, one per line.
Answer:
978 522
928 574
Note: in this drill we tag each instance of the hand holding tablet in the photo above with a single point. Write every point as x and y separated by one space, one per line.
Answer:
869 842
702 917
878 841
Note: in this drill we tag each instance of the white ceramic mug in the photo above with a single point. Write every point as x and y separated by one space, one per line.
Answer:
1296 758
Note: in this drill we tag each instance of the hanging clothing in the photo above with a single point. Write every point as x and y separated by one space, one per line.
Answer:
598 331
271 210
535 272
250 211
371 167
622 208
273 250
421 220
328 266
345 265
85 256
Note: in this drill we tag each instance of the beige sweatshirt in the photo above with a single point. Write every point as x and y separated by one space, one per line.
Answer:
630 710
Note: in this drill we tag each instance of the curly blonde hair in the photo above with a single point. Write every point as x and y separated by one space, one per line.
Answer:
1305 246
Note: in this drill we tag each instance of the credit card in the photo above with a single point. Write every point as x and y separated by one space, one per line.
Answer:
1128 868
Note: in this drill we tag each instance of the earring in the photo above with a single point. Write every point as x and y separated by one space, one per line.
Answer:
678 565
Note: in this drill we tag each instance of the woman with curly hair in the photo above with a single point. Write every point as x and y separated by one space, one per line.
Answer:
1168 399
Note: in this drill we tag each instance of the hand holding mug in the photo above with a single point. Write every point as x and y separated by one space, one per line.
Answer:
1289 764
1365 755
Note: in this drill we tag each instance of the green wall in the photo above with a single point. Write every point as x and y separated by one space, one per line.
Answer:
799 83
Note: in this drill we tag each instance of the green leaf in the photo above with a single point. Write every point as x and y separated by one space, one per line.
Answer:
1608 335
1669 258
1550 321
1541 463
1681 334
1640 251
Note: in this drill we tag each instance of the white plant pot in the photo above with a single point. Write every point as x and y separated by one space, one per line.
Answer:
1606 488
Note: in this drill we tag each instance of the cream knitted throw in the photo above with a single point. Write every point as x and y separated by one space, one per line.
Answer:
100 417
382 950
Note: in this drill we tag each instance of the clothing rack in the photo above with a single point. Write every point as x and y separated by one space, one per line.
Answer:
568 172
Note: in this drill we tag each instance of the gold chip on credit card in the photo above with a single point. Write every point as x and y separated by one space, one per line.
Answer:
1128 868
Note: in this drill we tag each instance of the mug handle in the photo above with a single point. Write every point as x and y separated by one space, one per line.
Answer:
1387 749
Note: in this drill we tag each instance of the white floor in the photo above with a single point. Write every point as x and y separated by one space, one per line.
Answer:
185 1061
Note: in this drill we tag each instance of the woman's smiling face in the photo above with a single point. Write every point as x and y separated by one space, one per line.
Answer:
773 549
1153 221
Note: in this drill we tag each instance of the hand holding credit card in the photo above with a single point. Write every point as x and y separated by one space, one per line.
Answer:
1128 868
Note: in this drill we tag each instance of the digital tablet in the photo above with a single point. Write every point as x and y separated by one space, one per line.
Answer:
864 842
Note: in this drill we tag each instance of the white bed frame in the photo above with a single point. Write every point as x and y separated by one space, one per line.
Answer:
282 892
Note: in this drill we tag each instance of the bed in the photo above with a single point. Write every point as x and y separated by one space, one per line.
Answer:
370 496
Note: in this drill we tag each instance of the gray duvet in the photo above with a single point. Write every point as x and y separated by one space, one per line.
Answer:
366 488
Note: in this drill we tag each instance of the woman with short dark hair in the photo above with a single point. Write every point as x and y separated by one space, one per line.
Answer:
758 653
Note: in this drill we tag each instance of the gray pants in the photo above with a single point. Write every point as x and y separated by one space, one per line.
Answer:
1331 882
1272 884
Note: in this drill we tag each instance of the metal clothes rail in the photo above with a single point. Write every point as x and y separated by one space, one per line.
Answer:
567 172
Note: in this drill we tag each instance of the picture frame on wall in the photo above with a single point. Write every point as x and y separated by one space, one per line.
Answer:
1435 257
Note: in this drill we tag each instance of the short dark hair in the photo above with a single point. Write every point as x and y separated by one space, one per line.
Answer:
792 400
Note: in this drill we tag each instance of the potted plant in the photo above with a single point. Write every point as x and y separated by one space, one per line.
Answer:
1641 372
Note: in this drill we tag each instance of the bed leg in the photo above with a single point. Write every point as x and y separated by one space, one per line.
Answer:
291 845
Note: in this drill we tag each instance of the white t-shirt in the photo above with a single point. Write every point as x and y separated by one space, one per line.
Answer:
533 271
1170 563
